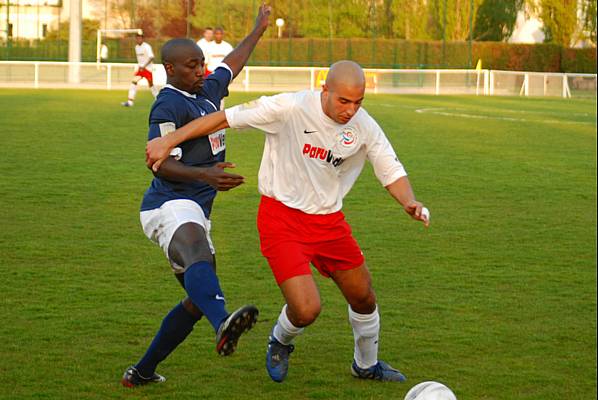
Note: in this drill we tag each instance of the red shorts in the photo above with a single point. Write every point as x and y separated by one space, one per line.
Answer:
291 239
144 73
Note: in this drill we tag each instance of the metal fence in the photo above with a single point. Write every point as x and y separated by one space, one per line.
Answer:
38 74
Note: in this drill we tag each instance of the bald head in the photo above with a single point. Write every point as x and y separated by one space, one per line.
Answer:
343 91
345 73
177 50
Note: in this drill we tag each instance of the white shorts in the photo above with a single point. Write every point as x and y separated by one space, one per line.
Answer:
160 224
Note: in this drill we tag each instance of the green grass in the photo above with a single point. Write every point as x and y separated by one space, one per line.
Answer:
497 299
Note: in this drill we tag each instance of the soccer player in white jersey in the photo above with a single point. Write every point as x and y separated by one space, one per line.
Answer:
206 39
316 146
145 58
217 49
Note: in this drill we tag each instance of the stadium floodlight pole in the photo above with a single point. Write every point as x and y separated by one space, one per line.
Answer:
444 36
471 34
188 22
7 21
75 28
99 39
279 24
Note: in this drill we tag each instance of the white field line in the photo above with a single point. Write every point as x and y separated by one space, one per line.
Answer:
448 113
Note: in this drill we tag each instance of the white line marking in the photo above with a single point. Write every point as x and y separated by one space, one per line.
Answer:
440 111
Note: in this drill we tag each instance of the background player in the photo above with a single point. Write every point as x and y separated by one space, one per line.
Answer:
204 42
217 50
145 58
316 146
176 208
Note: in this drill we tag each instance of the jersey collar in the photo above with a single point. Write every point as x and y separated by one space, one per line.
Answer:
169 86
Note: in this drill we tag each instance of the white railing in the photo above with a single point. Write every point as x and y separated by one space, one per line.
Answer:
39 74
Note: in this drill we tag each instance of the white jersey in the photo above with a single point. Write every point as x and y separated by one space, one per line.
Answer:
216 53
203 45
143 52
311 162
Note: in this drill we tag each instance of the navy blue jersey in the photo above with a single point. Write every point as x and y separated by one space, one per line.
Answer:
173 109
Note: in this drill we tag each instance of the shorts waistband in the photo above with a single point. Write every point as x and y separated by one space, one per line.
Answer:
273 203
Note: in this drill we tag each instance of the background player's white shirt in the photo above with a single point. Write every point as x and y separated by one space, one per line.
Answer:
216 53
143 52
203 45
311 162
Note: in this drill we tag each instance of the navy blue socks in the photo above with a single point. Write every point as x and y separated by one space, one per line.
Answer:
176 326
202 286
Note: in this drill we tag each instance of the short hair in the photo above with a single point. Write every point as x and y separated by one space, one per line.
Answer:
208 28
172 49
219 29
139 34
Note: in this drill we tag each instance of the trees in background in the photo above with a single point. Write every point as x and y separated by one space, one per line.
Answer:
495 20
559 19
565 21
589 21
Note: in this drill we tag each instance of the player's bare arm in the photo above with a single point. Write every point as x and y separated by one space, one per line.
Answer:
214 176
403 193
149 61
157 150
237 58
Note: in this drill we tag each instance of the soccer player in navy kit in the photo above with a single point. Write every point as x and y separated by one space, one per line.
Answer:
175 209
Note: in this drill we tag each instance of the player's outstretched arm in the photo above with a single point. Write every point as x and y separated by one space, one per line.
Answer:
157 150
237 58
403 193
214 176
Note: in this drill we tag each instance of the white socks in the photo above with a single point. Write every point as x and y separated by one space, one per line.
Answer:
284 331
366 330
132 92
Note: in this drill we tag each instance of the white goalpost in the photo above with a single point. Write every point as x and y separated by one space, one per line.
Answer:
102 32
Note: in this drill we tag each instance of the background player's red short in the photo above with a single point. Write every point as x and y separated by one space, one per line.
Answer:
144 73
291 239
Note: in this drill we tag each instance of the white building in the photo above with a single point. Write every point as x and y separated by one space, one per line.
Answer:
528 29
32 19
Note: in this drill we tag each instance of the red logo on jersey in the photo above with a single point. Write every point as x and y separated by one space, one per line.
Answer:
347 137
321 153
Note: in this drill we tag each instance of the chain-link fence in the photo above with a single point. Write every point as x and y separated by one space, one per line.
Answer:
370 53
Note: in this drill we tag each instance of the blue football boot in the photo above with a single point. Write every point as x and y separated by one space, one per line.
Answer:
381 372
277 359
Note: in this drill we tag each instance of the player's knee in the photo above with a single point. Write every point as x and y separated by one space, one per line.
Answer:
197 252
190 245
305 314
363 302
192 308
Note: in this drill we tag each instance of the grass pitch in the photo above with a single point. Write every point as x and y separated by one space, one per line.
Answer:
497 299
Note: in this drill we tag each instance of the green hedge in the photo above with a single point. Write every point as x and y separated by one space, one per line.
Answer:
578 60
378 53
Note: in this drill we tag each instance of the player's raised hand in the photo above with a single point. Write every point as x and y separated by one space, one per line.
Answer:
418 212
156 151
262 16
219 179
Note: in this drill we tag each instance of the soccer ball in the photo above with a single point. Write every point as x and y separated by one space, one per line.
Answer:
430 391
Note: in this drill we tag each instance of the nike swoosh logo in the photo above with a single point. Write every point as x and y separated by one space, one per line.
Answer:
306 131
218 297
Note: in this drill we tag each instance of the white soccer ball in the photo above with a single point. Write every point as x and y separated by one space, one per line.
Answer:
430 391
